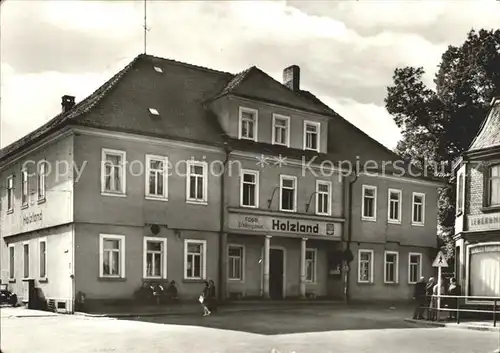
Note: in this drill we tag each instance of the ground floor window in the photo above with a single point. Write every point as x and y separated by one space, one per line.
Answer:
311 265
414 267
365 266
155 257
484 270
391 267
26 260
43 258
195 259
12 273
112 255
235 262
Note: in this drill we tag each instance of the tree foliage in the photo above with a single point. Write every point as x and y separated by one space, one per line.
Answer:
438 123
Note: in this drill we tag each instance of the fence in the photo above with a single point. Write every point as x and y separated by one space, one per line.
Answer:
435 310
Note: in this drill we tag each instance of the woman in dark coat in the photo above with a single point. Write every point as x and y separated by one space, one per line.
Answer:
212 306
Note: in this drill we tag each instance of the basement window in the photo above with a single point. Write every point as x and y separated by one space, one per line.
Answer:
158 69
153 111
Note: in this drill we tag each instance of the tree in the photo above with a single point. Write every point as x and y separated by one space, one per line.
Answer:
439 124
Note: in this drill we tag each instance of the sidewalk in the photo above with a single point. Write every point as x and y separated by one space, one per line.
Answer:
9 312
464 325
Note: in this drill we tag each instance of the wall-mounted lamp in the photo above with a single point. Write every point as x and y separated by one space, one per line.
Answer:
309 202
272 196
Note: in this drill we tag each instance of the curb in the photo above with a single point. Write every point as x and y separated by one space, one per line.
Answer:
463 326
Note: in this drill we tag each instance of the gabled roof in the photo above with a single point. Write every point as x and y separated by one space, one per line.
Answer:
489 132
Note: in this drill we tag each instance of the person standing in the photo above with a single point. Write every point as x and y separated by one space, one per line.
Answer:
213 296
419 299
429 290
454 289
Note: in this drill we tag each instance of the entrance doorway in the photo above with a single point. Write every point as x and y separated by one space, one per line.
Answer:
276 273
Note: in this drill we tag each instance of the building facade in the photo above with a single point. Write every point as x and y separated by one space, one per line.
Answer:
477 223
171 171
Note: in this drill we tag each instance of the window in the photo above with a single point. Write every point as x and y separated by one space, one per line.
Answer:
460 193
369 203
248 124
42 178
365 266
323 197
43 258
414 267
12 261
494 186
249 192
288 194
197 182
311 135
235 262
24 188
10 193
418 208
26 260
281 130
195 259
394 206
391 265
113 172
154 111
156 177
310 265
112 256
155 257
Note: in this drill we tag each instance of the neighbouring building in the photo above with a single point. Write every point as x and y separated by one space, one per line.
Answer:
477 223
171 171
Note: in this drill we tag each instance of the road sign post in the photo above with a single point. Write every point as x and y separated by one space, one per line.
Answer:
439 262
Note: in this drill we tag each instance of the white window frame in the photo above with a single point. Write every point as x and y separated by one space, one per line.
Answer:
24 188
163 257
28 265
123 155
255 113
419 267
10 190
12 267
318 135
203 262
460 193
375 197
315 265
42 180
242 259
257 186
289 177
389 206
329 197
413 223
164 160
122 252
45 264
396 267
488 187
204 165
360 251
287 119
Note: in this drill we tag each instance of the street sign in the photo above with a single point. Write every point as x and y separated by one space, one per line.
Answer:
440 260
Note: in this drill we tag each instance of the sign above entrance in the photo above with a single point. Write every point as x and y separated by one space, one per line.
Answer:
292 226
440 260
484 221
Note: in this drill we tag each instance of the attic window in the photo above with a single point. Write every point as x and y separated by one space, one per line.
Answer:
158 69
153 111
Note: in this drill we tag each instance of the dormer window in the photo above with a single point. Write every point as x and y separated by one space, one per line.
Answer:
158 69
248 124
311 135
281 130
154 111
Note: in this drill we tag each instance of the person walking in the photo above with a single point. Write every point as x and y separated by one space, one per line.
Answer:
204 299
454 289
419 299
212 304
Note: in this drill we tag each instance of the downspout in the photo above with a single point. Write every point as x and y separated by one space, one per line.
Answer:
222 233
349 234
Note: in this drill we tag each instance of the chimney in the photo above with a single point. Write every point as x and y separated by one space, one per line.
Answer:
67 103
291 77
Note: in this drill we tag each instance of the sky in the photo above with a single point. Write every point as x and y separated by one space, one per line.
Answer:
347 50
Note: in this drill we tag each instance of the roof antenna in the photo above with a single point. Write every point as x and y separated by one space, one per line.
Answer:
146 29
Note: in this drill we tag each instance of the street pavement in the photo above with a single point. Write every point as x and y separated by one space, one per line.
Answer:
309 330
